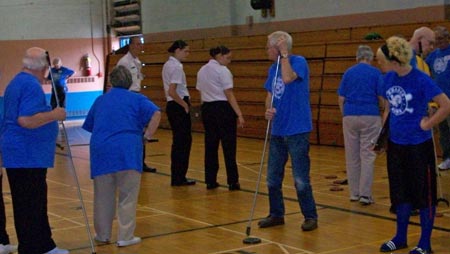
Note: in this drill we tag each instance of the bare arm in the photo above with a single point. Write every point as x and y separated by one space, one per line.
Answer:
270 111
287 73
40 119
386 110
441 113
341 100
233 102
173 93
152 125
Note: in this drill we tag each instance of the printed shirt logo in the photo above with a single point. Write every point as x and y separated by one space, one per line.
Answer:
440 64
399 99
278 89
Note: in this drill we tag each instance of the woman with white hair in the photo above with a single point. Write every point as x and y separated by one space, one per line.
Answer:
359 95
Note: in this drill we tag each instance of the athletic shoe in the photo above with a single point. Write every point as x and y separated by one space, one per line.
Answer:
134 240
309 225
354 198
364 200
98 239
418 250
445 165
57 250
8 248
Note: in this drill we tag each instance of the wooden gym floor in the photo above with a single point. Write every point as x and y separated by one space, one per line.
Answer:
192 219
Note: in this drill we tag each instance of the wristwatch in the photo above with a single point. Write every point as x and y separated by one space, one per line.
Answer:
284 55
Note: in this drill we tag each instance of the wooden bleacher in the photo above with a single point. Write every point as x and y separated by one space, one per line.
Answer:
329 53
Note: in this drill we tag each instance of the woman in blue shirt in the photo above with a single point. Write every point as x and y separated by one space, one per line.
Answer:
410 155
359 96
117 120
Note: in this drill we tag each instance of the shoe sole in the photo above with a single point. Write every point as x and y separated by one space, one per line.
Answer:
309 229
129 242
271 225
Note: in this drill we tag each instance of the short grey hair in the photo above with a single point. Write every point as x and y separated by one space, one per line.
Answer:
35 59
273 39
364 52
56 61
120 76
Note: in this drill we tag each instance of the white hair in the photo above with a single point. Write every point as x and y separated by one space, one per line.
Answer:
273 38
35 59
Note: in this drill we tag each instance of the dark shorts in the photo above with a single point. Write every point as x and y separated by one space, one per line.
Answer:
412 174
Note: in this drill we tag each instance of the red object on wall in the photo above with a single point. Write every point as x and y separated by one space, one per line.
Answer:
86 60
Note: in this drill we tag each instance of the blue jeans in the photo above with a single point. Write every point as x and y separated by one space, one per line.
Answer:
296 146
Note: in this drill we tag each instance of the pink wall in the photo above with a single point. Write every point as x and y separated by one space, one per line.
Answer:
70 50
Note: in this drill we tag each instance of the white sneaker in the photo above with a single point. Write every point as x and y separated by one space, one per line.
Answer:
363 200
9 248
134 240
98 239
354 198
57 250
445 165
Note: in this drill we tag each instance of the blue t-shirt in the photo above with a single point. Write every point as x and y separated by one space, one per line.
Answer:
22 147
117 120
360 86
408 98
438 61
60 75
292 100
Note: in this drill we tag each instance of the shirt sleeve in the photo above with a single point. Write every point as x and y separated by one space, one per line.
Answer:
88 124
430 88
30 103
176 76
341 90
68 72
300 66
148 108
226 78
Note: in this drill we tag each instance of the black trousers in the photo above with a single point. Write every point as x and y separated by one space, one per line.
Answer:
181 125
61 97
4 238
29 196
412 174
220 122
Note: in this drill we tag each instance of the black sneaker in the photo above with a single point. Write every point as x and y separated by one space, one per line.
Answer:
148 169
309 225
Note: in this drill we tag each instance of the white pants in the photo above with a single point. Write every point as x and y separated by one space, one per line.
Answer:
126 184
359 131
